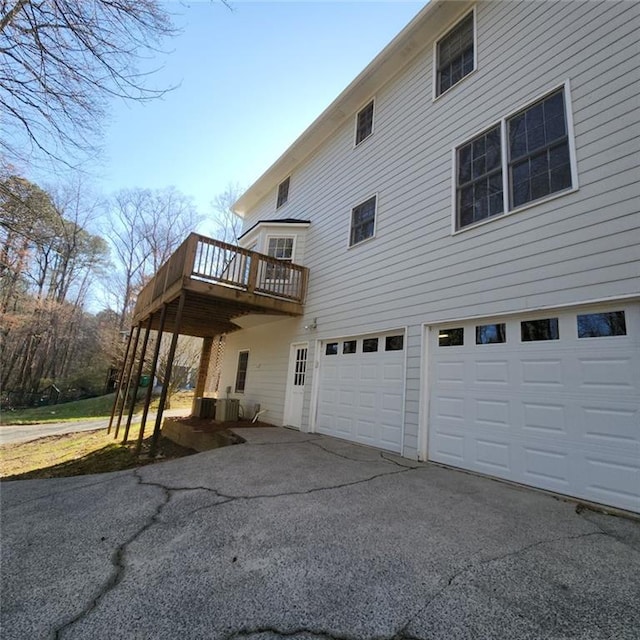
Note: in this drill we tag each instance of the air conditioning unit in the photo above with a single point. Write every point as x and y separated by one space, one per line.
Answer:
205 407
227 409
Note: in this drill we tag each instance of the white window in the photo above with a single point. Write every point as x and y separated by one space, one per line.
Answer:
281 249
283 193
364 123
455 54
524 158
241 373
363 221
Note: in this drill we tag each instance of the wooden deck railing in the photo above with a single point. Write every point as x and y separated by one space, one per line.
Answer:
211 261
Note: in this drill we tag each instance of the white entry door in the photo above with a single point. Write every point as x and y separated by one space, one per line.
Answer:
295 385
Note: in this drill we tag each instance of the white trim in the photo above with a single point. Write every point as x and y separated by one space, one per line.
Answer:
504 159
375 220
424 396
373 122
443 34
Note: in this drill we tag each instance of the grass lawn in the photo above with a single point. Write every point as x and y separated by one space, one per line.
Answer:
76 454
81 410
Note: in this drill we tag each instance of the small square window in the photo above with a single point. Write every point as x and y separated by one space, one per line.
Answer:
602 325
283 193
241 374
534 330
491 333
394 343
363 221
456 55
364 123
349 346
451 337
331 349
370 345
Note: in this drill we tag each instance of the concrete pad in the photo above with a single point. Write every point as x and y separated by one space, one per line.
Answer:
310 539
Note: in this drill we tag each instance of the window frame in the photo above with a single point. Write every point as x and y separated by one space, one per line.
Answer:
273 236
371 103
436 62
351 244
279 203
508 209
241 352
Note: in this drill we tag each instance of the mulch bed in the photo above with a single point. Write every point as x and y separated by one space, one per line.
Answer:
209 425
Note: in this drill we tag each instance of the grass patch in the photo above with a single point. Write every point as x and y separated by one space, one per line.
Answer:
99 407
75 454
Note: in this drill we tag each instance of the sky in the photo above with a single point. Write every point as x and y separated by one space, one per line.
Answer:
249 80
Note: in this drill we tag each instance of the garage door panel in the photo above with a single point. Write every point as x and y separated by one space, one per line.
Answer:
562 415
370 389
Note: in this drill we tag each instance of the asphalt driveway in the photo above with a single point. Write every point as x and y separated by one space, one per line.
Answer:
305 537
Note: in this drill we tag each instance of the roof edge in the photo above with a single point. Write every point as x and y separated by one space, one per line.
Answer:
395 55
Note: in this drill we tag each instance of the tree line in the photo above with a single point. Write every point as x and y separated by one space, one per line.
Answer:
62 253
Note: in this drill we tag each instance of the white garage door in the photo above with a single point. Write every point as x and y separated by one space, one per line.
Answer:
361 390
550 400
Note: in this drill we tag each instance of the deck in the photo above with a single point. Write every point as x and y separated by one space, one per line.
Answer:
219 282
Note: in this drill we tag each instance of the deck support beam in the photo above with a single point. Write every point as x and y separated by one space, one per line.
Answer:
116 400
167 377
154 366
136 384
134 348
203 370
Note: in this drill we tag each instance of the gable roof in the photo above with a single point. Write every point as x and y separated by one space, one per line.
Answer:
430 21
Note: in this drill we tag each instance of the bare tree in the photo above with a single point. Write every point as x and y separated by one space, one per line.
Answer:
145 228
227 225
61 60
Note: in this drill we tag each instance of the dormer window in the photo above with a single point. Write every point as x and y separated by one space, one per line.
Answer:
364 123
283 193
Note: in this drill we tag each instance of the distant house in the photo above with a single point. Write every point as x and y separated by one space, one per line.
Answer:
468 213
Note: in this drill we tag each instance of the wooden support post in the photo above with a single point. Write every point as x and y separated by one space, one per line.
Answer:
121 378
130 369
203 370
167 377
136 384
154 366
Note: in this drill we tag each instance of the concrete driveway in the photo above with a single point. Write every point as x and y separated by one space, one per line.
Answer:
305 537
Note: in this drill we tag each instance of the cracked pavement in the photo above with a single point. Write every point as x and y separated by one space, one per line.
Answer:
295 535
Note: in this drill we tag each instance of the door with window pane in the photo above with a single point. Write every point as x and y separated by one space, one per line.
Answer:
296 382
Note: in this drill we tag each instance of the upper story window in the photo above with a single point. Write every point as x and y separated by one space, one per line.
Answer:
539 159
455 54
363 221
283 193
524 158
282 249
364 123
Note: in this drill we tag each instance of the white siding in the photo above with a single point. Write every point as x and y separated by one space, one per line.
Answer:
577 247
268 347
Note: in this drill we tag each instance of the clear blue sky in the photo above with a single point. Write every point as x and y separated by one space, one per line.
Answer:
251 80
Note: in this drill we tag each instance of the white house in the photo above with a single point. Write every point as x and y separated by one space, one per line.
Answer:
468 210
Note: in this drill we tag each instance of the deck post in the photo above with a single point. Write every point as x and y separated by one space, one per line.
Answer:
253 273
121 378
167 376
154 366
136 384
203 370
130 369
